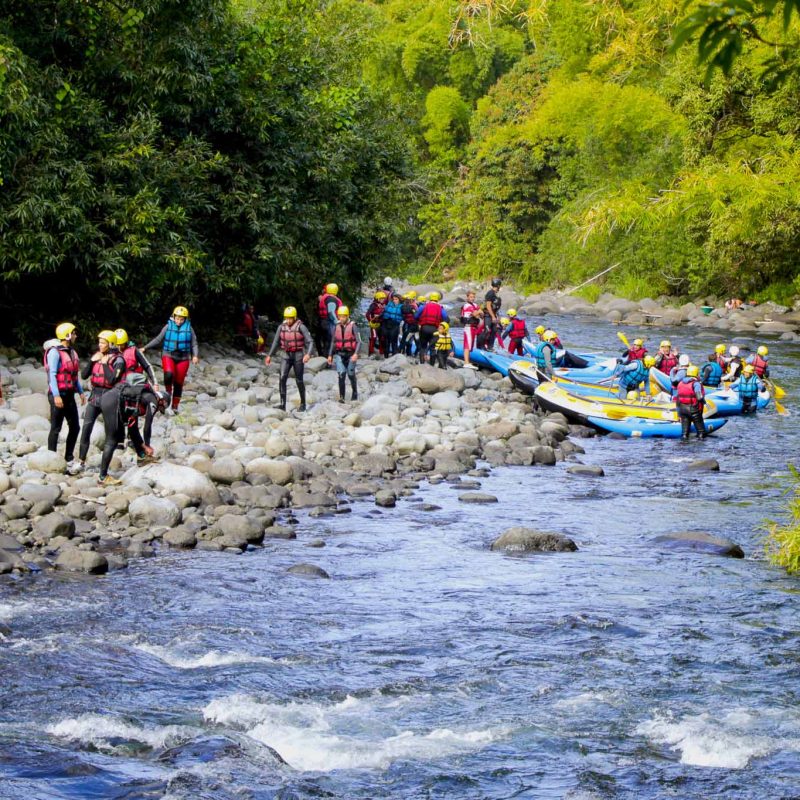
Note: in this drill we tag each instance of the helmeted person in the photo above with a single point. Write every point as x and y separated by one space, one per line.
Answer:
328 303
429 317
246 333
491 318
387 286
137 363
470 319
735 364
105 370
666 357
678 372
546 353
343 351
63 384
179 349
410 328
719 356
373 316
633 374
690 401
760 362
539 331
121 407
515 331
443 345
294 339
635 352
504 322
711 371
748 385
391 320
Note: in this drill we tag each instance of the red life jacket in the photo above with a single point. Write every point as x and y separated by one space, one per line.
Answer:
247 324
557 343
759 365
291 339
686 394
517 329
431 314
67 374
344 338
667 363
409 309
131 361
103 374
721 360
324 299
637 353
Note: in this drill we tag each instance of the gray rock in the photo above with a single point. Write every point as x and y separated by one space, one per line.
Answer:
477 497
498 430
529 540
181 538
16 509
47 461
175 479
316 543
431 380
386 498
279 532
700 542
587 470
226 470
704 465
52 525
75 560
277 471
394 365
33 379
237 526
544 455
304 499
9 543
308 571
150 511
39 493
32 405
374 464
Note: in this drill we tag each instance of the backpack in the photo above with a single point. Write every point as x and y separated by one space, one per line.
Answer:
47 347
130 397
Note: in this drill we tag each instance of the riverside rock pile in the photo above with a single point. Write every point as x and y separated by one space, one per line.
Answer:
233 467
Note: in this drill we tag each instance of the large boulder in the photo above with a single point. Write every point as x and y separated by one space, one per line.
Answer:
226 470
700 542
175 479
52 525
32 405
47 461
75 560
431 380
237 525
33 379
40 493
279 472
446 401
149 511
529 540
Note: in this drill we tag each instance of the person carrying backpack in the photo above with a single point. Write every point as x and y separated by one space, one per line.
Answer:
63 384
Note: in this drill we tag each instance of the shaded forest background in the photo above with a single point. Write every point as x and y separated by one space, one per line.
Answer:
211 151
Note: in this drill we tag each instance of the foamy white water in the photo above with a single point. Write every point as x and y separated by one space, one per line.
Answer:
175 657
98 730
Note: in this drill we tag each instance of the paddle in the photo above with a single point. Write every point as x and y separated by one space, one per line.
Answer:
777 392
624 339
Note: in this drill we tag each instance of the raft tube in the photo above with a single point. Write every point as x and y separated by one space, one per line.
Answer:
497 361
649 429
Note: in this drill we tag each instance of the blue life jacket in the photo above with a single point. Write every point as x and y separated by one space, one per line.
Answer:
541 361
634 377
748 387
393 312
178 338
711 372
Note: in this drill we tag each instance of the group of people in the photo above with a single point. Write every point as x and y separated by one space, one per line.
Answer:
122 387
689 381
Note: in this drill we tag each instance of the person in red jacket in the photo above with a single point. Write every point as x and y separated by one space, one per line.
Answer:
429 317
373 317
515 331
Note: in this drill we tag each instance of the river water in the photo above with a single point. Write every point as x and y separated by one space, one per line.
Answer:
430 667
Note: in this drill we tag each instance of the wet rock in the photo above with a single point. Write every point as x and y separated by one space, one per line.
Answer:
226 470
279 532
243 527
75 560
431 380
180 538
304 499
529 540
150 511
703 465
430 507
374 464
47 461
386 498
477 497
308 571
700 542
544 455
53 525
316 543
586 470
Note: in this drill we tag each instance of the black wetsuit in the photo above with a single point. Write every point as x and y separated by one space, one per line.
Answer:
119 417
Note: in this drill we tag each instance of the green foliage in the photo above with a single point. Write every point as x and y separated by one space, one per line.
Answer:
783 539
446 123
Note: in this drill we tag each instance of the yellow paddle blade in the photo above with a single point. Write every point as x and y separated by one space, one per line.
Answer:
780 408
623 338
778 392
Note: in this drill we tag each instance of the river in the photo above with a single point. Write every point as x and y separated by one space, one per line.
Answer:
430 667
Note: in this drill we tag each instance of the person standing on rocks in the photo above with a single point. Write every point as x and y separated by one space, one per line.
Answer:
105 370
443 345
135 362
429 317
373 317
470 319
491 309
344 351
294 339
328 303
390 325
690 400
408 336
178 351
63 380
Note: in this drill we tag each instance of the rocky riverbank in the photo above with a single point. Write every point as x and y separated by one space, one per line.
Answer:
234 467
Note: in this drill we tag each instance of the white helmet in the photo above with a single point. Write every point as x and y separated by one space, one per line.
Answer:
387 281
683 361
733 350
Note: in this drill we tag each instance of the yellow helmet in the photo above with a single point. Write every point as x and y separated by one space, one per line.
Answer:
411 295
260 341
666 343
549 335
763 350
633 395
638 342
749 369
180 311
445 325
422 298
435 296
380 295
122 336
332 288
649 361
64 330
720 348
504 320
512 312
539 330
692 371
342 311
290 312
109 336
